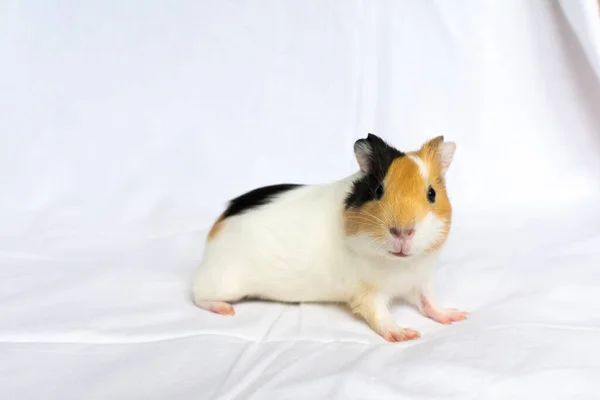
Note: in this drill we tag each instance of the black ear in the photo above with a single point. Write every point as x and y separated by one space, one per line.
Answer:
370 152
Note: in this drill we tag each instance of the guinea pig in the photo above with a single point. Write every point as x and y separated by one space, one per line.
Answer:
362 241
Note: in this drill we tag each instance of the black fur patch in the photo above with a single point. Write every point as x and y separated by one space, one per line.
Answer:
256 198
381 157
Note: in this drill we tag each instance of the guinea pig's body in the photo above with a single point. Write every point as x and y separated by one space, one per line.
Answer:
363 240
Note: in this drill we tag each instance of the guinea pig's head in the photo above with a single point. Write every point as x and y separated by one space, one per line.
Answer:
398 207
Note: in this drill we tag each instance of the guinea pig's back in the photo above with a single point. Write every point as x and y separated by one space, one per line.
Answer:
291 239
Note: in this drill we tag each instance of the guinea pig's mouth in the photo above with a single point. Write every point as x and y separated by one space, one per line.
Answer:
400 254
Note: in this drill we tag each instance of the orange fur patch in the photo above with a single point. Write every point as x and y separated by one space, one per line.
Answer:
214 230
442 207
404 200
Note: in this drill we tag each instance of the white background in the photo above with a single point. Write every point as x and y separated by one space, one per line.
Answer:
126 126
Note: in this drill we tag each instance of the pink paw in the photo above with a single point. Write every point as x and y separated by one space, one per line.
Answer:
398 334
447 316
442 315
217 307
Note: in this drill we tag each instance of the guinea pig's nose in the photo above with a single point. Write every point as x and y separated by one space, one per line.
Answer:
402 233
407 233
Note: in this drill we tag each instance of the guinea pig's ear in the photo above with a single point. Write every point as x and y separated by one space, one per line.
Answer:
365 151
441 151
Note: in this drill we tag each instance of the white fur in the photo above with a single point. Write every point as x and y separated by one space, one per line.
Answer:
294 250
422 166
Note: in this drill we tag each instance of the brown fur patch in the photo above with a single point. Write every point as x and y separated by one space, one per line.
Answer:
404 200
442 207
403 203
216 228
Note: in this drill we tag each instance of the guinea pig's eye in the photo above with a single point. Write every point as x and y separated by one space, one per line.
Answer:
431 195
379 192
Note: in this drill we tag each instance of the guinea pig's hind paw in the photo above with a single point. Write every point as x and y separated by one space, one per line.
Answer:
398 334
218 307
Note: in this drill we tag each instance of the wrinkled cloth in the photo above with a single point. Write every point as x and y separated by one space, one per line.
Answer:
125 128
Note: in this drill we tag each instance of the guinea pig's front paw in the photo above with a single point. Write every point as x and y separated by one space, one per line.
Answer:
397 334
446 316
442 315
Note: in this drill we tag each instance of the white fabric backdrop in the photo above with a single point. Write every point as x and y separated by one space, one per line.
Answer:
125 127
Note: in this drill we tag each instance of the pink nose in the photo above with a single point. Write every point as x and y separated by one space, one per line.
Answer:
402 233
